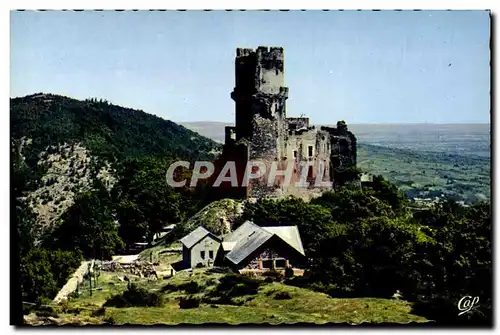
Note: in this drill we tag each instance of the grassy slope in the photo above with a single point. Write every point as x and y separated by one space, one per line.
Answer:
305 306
422 174
162 253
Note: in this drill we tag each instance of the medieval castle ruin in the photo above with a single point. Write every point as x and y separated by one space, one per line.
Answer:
263 131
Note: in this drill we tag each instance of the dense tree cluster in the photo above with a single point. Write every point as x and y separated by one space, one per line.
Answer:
366 242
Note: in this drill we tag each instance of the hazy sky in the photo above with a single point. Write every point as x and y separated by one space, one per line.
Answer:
362 67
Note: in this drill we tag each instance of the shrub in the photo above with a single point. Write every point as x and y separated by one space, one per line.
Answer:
288 272
200 265
224 300
99 312
237 285
297 281
74 311
190 287
189 302
46 313
135 296
45 310
282 296
232 286
170 288
210 282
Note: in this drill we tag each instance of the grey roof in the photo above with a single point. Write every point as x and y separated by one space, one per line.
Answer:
228 246
195 236
289 234
248 237
244 230
247 245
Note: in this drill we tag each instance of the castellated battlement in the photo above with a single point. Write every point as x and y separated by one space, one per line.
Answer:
261 50
244 52
263 132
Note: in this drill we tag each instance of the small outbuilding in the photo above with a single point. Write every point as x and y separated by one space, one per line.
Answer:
199 248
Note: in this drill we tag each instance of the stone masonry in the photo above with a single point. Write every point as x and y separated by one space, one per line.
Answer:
263 131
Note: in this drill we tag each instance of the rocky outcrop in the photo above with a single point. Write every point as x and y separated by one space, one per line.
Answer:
68 170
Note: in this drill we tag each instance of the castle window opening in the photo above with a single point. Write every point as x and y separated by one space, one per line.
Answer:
211 254
295 154
310 151
202 254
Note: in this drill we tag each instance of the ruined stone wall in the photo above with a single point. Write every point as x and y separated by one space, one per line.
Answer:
310 147
270 137
295 123
263 148
343 146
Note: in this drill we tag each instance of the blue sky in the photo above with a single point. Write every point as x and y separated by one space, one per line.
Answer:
362 67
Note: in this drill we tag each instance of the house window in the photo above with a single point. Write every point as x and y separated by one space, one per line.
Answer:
310 150
267 264
280 263
211 254
202 254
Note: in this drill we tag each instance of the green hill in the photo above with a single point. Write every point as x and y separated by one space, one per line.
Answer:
107 130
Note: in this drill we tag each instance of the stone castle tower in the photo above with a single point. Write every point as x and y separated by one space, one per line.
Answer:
263 132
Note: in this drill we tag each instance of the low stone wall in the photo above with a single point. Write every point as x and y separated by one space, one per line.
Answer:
72 284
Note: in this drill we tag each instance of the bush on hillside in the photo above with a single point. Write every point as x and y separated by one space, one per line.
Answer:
189 302
135 296
236 285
